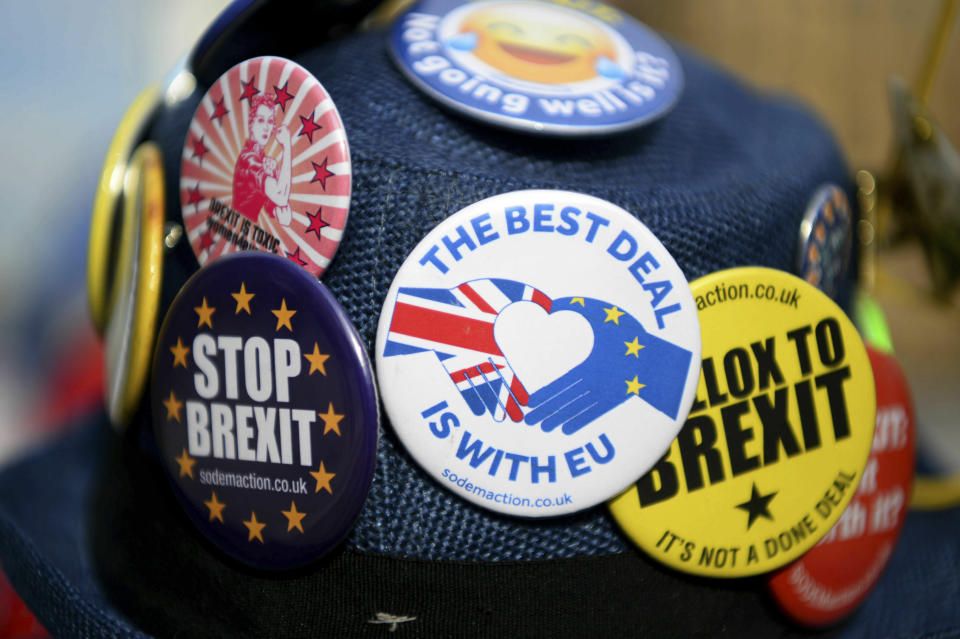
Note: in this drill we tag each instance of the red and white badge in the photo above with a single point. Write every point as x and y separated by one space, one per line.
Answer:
837 574
266 166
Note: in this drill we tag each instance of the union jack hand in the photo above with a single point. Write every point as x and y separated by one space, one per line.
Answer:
457 325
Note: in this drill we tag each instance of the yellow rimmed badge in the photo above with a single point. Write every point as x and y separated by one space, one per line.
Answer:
135 297
777 437
106 207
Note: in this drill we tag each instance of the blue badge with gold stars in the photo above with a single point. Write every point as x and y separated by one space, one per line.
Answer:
265 410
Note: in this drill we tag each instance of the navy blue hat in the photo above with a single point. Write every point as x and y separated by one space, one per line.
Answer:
94 541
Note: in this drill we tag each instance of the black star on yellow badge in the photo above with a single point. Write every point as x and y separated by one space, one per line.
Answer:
215 507
331 420
317 360
613 315
255 527
283 315
186 463
204 314
294 517
758 505
173 406
179 353
323 479
243 299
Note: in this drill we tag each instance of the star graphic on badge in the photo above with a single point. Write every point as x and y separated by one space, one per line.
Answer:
308 126
613 315
323 479
179 353
255 528
633 348
186 463
294 517
577 300
215 507
219 112
204 313
283 315
331 420
243 299
317 360
295 257
173 406
321 173
283 96
757 506
316 223
634 386
194 198
206 240
199 148
248 90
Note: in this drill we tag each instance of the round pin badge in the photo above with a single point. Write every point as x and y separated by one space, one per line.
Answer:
831 580
826 239
266 167
776 440
135 296
264 410
538 66
538 351
107 207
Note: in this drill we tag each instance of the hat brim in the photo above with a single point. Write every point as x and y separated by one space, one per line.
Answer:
51 508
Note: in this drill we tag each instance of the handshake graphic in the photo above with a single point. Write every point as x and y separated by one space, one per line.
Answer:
458 326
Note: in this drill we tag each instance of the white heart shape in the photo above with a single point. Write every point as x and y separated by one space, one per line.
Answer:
540 347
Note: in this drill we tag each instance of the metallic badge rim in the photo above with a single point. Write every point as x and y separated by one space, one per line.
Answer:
141 260
107 206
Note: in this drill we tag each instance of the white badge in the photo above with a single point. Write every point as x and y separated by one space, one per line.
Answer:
538 352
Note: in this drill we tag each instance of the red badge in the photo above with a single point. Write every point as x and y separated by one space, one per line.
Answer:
266 166
837 574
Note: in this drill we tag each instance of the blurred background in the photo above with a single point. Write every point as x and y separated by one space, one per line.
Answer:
71 69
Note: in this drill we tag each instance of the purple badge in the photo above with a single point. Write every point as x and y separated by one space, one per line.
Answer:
265 410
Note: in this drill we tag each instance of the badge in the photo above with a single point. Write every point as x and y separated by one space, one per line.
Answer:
826 239
837 574
776 440
135 296
266 167
538 351
264 410
543 67
106 206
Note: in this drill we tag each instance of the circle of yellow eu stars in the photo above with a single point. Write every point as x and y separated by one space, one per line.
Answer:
331 419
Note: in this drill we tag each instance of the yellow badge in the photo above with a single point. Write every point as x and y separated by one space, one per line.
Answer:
777 437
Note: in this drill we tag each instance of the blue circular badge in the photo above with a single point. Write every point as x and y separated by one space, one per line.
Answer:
538 66
265 410
826 239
